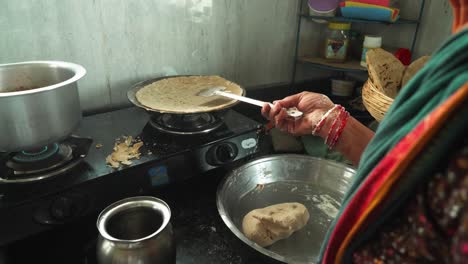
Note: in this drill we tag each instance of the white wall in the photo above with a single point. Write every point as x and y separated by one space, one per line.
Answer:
436 26
121 42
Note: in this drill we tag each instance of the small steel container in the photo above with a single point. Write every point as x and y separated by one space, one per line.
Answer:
136 230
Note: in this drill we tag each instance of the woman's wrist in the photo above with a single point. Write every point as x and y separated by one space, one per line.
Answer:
340 131
323 119
323 126
350 138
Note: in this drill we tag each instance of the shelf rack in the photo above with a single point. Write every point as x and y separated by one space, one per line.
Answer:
349 66
354 20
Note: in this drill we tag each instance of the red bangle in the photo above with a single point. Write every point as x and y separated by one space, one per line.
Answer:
339 131
333 126
322 120
332 134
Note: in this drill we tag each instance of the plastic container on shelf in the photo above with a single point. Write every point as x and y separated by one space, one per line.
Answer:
370 42
313 12
337 41
322 7
342 87
325 8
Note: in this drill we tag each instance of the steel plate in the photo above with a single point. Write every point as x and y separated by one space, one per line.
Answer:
317 183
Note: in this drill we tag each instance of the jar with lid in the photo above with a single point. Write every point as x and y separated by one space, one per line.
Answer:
337 41
370 42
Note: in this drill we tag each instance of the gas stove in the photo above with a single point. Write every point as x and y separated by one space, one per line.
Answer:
42 163
88 184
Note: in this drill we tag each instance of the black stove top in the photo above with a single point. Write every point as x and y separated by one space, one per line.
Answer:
92 184
105 128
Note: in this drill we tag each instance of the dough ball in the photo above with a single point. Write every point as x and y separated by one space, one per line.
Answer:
267 225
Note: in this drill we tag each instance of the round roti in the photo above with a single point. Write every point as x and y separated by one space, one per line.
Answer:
180 94
413 68
385 71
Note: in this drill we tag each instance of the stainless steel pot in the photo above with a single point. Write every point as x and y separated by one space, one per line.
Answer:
318 184
136 230
39 103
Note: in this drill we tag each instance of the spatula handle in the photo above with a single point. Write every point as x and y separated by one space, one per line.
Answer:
292 112
242 98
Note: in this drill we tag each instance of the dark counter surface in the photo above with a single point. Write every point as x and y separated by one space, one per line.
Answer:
200 233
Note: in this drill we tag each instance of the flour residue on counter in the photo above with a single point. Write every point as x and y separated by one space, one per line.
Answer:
125 150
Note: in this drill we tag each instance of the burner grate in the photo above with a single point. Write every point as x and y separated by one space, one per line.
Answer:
48 161
186 124
25 163
36 155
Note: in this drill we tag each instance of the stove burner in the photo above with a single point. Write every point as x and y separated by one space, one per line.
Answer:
186 124
37 155
51 160
48 158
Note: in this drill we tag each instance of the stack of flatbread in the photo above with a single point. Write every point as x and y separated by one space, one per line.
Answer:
388 74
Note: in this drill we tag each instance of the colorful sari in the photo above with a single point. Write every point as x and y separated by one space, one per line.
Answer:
427 121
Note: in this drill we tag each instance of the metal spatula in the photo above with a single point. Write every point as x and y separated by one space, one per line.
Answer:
219 90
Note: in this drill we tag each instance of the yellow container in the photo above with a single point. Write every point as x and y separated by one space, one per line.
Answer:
337 41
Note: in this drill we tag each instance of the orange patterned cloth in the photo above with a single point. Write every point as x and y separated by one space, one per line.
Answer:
460 15
363 208
397 162
386 179
432 226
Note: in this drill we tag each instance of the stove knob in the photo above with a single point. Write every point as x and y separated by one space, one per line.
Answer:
222 154
64 208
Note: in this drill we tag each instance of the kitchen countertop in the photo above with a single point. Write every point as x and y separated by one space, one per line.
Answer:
200 234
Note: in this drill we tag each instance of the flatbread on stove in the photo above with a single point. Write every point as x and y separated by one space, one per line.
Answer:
179 94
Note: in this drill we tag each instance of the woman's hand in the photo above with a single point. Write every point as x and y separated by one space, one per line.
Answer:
313 105
352 138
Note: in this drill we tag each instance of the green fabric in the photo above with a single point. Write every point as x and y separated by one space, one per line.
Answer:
441 77
316 147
